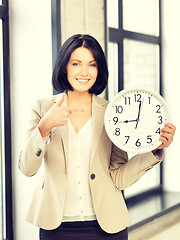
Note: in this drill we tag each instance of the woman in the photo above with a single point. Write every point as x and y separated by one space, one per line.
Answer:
79 196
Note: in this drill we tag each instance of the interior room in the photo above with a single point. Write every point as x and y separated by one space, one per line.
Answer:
141 43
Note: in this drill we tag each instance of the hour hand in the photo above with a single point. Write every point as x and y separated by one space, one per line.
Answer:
127 121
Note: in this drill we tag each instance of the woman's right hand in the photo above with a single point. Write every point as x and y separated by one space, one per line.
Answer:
57 116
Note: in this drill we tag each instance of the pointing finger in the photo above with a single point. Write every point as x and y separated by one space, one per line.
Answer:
61 100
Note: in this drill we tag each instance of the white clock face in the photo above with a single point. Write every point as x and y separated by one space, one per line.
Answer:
133 120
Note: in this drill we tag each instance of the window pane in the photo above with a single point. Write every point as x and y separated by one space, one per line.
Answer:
112 12
141 16
141 65
113 69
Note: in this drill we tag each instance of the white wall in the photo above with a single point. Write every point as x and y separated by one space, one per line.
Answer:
171 76
82 16
31 68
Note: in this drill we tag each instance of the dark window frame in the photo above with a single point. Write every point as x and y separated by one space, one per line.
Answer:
56 33
56 26
8 225
117 35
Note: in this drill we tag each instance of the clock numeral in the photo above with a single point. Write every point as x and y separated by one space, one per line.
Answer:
115 119
149 100
137 97
158 131
158 108
119 109
128 137
127 100
160 120
149 139
138 143
117 131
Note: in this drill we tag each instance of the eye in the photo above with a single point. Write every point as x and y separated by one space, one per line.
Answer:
92 65
75 64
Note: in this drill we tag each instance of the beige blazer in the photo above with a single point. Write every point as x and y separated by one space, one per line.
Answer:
110 171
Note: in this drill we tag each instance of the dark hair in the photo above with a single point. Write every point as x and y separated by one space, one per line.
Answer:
59 77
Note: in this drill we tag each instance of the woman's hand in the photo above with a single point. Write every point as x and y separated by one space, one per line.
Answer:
166 136
57 116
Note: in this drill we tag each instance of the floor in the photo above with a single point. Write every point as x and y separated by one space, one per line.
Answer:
172 233
165 227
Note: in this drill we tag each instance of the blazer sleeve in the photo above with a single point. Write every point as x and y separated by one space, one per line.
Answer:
125 172
30 158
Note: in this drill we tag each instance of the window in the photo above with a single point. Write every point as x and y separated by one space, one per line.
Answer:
134 59
5 126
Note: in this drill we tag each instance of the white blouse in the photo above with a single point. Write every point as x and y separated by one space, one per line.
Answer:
78 205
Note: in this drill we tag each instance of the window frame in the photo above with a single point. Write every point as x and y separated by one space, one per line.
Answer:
56 33
56 26
7 228
117 35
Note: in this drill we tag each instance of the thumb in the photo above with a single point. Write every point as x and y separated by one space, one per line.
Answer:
61 100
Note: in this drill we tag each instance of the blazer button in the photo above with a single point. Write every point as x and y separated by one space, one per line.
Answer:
38 153
93 176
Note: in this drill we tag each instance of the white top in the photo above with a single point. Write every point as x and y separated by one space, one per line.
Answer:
78 205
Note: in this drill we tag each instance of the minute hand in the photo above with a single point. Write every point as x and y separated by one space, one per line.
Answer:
137 120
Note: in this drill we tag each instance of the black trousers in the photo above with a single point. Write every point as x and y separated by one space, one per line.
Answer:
88 230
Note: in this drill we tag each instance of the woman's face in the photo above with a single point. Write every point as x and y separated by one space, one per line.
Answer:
82 69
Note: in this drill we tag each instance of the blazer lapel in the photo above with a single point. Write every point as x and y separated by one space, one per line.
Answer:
98 109
64 136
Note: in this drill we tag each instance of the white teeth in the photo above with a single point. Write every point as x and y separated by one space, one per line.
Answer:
82 81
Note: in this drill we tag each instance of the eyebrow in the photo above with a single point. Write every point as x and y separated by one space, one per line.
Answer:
81 61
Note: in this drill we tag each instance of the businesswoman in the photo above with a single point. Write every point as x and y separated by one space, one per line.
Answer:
79 195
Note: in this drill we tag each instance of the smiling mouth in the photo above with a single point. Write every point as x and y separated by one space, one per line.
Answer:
83 81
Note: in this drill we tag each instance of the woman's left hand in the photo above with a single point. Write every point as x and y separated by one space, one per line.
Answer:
166 136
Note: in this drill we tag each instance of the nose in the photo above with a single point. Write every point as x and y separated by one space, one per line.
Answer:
84 71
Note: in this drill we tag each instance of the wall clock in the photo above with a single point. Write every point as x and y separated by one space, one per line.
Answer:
133 120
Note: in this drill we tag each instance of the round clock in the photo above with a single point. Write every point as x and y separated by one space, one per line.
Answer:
133 120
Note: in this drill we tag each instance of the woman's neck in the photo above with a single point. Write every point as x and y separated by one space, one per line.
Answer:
80 99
